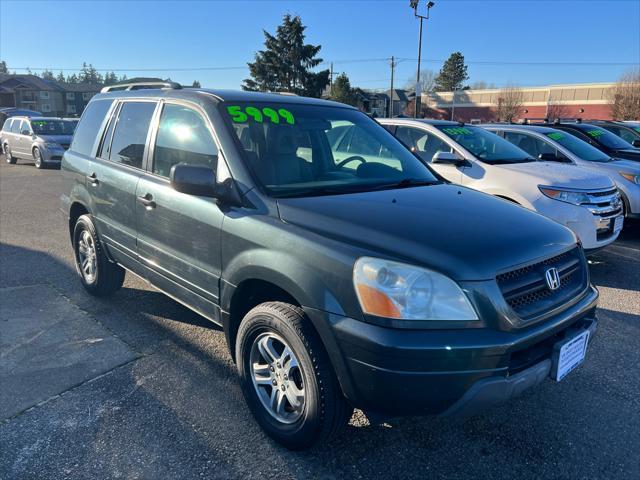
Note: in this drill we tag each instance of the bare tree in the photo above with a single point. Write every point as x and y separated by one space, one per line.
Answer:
427 81
557 111
625 97
510 101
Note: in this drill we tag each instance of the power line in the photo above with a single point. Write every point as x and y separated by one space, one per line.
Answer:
363 60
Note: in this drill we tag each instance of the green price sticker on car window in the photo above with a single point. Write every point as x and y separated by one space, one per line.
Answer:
244 114
457 131
595 133
555 136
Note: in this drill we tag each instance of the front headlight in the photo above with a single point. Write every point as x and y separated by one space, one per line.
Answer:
396 290
576 198
634 178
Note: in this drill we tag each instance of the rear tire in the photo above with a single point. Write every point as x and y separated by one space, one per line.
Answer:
98 275
319 410
8 156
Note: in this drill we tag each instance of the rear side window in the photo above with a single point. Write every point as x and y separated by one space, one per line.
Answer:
89 126
7 125
15 126
183 137
130 134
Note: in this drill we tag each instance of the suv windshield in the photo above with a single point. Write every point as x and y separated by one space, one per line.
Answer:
484 145
53 127
579 148
307 150
606 138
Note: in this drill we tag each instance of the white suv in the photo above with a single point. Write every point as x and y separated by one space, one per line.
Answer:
586 202
555 145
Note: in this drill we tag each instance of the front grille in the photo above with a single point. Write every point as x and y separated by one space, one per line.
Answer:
605 203
65 146
525 289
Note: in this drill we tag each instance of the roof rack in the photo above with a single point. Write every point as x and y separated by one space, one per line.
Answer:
527 120
140 86
567 119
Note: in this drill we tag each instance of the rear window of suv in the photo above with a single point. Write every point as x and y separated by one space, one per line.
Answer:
89 126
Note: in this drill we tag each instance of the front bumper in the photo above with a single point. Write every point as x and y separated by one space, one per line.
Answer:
587 226
417 372
52 155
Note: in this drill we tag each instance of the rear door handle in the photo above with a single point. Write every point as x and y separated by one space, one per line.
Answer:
93 179
147 201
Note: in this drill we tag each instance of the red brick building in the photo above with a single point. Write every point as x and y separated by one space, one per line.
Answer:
587 100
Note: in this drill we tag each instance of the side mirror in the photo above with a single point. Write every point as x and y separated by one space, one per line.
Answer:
194 180
549 157
636 143
448 158
25 132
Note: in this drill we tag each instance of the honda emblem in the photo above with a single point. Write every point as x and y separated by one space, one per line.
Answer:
553 279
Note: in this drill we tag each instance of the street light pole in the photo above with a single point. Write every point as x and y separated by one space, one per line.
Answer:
414 4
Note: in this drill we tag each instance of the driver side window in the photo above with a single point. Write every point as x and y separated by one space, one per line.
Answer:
423 144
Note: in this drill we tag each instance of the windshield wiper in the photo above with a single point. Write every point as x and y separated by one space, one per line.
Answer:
346 189
404 183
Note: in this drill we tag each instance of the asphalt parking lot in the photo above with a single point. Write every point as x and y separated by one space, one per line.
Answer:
138 386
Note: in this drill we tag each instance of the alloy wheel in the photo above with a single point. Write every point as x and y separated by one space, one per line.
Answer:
87 259
277 377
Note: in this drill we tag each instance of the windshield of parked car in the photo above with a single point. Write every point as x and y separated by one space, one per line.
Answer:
606 138
484 145
578 147
53 127
307 150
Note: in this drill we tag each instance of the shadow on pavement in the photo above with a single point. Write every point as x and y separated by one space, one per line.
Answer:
178 411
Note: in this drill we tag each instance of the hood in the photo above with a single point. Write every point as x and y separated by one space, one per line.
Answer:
554 174
63 139
465 234
614 167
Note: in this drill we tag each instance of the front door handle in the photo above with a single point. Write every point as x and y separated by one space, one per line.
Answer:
93 179
147 201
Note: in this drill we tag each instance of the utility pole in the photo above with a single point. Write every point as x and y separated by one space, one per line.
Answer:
414 5
393 66
331 79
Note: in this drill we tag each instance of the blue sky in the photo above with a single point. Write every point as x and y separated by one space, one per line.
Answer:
356 35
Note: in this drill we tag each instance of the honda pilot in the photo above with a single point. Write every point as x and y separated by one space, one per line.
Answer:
340 281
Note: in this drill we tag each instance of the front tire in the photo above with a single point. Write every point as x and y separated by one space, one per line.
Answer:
287 378
8 156
37 158
98 275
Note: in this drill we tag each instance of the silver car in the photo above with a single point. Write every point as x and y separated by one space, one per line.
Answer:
40 139
550 144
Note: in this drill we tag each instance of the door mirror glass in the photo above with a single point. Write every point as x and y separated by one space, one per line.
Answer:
25 132
194 180
446 157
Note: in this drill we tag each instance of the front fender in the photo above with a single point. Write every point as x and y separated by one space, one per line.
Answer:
303 282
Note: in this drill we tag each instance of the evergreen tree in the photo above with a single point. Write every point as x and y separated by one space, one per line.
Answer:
286 62
195 84
88 74
341 90
72 78
47 75
3 67
110 78
452 75
60 78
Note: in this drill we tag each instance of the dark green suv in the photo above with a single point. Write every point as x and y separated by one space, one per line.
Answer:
343 274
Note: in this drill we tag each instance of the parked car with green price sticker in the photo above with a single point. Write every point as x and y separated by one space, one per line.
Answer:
554 145
628 131
479 159
339 282
597 136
